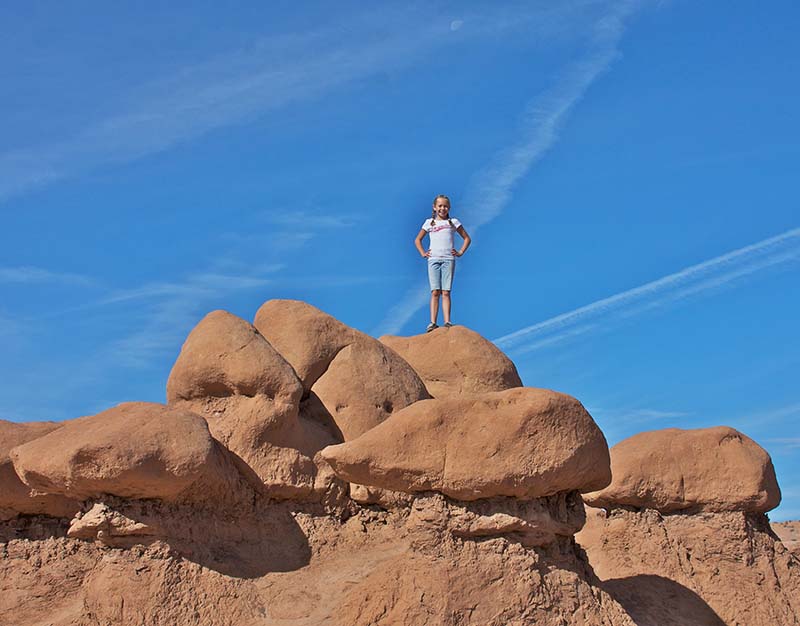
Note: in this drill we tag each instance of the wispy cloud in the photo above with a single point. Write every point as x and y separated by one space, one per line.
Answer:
691 281
175 308
283 231
28 275
238 86
768 418
491 189
410 302
276 241
620 422
163 332
636 415
786 442
307 219
195 286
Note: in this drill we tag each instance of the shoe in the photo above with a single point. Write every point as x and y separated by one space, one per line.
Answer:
447 325
431 326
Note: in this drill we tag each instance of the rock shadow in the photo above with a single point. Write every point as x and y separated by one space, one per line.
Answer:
245 548
252 545
657 601
311 407
33 528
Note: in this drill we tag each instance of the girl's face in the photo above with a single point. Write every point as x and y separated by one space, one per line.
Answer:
442 208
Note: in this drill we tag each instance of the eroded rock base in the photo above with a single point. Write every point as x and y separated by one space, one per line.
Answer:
707 568
154 564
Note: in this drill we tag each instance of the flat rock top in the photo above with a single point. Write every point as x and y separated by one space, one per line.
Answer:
524 443
708 469
455 361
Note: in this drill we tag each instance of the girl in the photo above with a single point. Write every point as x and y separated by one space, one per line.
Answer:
441 256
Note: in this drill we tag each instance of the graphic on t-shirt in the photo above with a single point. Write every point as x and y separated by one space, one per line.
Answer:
441 235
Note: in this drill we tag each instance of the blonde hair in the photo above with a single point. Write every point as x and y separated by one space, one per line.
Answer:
433 211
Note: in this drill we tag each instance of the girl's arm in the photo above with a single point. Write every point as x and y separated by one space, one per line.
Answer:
467 241
418 243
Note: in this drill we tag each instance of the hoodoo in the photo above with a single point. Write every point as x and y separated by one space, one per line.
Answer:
305 473
682 531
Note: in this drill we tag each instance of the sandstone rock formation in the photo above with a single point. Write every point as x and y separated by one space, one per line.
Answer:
534 522
306 337
709 469
456 361
354 379
523 443
134 450
364 384
221 508
228 373
225 356
703 568
373 568
15 496
683 537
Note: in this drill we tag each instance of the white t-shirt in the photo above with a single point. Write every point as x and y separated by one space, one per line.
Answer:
441 234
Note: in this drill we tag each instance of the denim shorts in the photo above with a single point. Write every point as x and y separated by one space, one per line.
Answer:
440 273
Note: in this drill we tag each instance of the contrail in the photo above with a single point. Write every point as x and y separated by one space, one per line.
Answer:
491 188
693 280
242 85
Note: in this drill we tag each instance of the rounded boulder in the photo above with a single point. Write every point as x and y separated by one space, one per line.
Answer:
364 384
134 450
250 395
523 443
223 356
706 469
357 381
15 496
306 337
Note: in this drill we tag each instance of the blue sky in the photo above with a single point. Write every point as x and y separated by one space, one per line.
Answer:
627 171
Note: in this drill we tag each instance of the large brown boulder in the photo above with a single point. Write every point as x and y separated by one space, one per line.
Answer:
231 375
305 336
708 469
364 384
225 356
15 496
523 443
134 450
455 361
353 378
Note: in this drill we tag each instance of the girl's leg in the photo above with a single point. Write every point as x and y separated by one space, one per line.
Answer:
448 270
434 305
435 279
